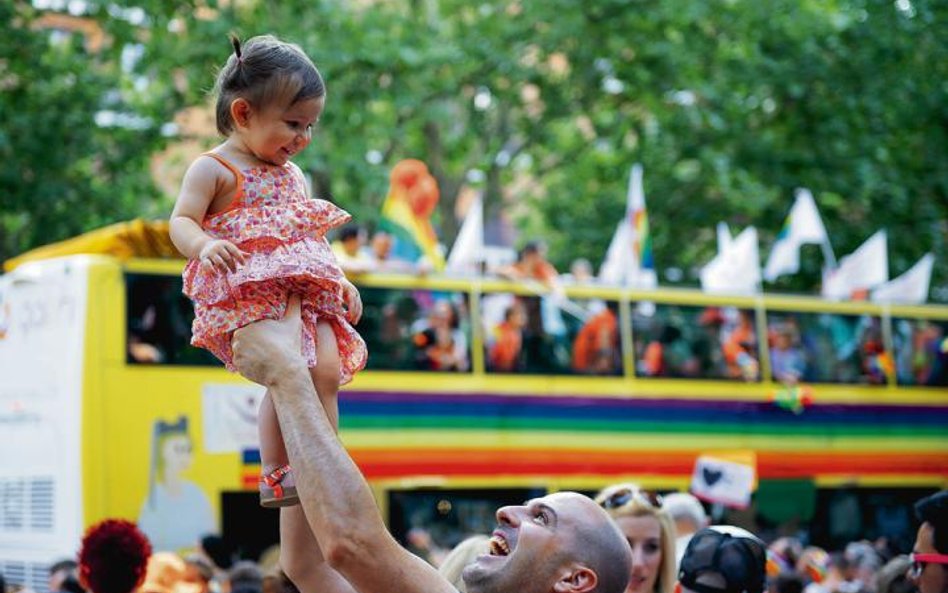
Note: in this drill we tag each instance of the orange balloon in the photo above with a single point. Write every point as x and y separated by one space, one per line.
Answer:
406 173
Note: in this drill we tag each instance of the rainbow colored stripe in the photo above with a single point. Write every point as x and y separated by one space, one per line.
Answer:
643 240
479 435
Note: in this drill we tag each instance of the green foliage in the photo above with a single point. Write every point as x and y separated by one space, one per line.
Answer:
729 104
60 172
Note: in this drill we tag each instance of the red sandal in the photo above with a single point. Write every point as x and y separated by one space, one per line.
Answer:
278 488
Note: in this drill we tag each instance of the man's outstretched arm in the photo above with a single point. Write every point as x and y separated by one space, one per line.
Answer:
336 499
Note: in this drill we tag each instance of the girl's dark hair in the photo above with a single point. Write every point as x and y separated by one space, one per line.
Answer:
265 71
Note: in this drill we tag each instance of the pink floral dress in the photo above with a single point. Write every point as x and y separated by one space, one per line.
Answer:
283 232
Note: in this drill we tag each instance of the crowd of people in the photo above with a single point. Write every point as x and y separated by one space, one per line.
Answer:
671 548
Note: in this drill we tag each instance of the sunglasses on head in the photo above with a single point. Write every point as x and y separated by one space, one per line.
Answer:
920 560
623 496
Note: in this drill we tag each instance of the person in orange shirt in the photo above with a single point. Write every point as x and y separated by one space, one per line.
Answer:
504 353
740 349
596 347
532 264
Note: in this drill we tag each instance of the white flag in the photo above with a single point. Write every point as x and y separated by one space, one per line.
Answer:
736 269
865 268
724 236
803 225
613 269
629 257
467 253
911 287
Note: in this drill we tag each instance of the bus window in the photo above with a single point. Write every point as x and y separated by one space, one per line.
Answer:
158 322
423 330
695 342
826 348
448 516
921 351
543 335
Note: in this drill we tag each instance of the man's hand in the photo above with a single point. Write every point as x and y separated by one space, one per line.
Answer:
265 350
353 301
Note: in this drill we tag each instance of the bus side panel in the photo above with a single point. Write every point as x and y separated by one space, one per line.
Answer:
42 315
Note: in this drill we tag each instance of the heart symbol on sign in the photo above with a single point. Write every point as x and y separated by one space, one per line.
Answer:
711 476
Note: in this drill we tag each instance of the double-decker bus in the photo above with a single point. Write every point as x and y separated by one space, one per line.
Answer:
478 392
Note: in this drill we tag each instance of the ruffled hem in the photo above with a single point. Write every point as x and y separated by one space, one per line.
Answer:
213 327
307 260
283 223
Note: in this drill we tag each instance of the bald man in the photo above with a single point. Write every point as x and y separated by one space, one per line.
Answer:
561 543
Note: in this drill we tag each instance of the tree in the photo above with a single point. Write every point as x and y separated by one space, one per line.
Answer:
74 154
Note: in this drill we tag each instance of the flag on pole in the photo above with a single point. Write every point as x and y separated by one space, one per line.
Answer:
629 259
406 213
802 226
724 237
909 288
863 269
736 268
467 253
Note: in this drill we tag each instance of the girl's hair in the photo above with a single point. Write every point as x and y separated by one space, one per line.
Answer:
643 504
265 71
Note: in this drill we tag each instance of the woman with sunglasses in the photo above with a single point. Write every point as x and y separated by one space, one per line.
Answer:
650 532
929 557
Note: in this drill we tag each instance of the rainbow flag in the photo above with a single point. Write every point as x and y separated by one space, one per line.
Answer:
406 214
644 271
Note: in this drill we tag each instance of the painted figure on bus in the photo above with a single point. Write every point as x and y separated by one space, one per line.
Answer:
254 236
176 513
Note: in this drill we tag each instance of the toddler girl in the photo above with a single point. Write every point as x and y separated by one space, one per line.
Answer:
254 237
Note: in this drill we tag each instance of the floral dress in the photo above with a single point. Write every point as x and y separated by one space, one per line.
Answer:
282 231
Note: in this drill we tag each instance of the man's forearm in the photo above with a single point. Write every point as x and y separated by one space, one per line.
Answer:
335 497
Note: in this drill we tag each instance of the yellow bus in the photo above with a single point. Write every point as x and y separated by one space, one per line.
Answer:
478 392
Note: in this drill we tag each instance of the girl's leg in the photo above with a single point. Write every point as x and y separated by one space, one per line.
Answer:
272 449
326 372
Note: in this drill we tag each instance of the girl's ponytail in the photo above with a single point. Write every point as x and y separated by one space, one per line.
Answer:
236 43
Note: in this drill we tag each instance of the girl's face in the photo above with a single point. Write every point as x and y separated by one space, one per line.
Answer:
275 134
644 535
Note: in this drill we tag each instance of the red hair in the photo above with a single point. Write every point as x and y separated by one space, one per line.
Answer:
113 557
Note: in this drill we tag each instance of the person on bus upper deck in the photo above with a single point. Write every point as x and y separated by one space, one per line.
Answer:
561 543
930 554
532 264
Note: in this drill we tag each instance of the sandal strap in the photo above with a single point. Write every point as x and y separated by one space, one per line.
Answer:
274 478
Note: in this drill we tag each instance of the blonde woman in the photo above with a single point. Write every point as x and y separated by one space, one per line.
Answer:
460 556
650 532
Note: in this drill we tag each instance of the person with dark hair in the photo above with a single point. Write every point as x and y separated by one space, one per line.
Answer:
723 559
59 572
113 556
560 543
252 233
245 577
930 555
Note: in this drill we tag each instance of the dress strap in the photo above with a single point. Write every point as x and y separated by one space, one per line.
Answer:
238 176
